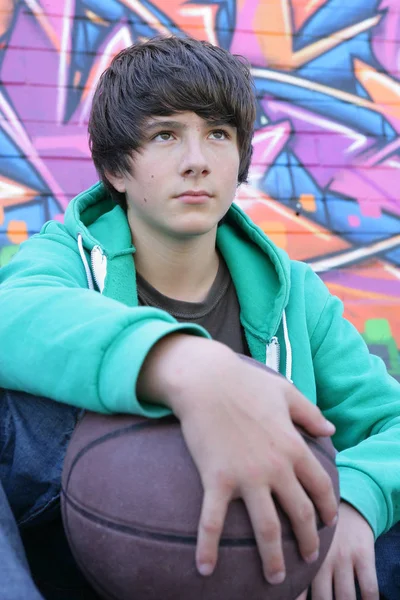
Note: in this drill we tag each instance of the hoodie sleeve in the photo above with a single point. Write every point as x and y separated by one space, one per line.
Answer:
60 340
357 394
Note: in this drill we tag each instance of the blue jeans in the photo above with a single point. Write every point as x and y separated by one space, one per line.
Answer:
34 434
15 578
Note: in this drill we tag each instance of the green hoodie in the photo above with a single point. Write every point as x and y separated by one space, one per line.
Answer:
64 341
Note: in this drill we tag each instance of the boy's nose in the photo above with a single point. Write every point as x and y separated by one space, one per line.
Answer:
194 161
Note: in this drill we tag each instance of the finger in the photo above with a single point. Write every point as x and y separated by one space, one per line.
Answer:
344 581
322 585
367 577
212 517
267 531
302 596
307 415
318 486
301 512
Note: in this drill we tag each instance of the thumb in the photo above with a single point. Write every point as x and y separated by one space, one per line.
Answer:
308 416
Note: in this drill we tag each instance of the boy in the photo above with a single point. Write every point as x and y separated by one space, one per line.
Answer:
170 263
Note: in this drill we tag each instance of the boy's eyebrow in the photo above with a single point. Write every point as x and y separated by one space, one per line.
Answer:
152 125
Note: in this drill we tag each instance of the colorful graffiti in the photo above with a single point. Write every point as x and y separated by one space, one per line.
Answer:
325 176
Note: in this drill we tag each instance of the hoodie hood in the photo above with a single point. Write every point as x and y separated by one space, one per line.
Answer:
260 271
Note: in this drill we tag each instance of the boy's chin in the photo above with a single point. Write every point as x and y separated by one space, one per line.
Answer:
195 230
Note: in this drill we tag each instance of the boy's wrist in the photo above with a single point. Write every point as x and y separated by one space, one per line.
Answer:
166 370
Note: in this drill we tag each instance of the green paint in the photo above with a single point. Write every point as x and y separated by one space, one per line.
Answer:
378 333
7 253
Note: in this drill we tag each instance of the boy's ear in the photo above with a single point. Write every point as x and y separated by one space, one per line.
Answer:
117 180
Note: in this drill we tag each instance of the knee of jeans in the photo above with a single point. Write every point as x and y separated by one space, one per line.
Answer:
34 435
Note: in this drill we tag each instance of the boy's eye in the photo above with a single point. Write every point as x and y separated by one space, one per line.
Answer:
220 134
165 136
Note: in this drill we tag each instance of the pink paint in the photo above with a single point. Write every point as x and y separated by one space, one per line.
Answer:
62 142
354 220
244 41
386 39
268 143
375 191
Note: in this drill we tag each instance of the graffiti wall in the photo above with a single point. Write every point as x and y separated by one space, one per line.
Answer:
325 176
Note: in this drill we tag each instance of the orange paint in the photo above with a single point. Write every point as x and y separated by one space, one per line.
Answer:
361 306
7 8
274 28
308 203
299 236
276 231
77 78
190 17
384 90
17 232
95 18
339 289
304 9
13 193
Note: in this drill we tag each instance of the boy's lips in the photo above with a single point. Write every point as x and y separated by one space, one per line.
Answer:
194 196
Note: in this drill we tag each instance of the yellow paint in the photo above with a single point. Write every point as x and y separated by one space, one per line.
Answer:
307 202
95 18
17 232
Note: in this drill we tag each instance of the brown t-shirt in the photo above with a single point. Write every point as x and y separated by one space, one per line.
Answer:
219 313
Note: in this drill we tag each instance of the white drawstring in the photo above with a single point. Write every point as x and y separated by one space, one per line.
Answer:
288 349
285 327
85 263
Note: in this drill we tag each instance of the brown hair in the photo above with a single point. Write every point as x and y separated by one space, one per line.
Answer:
159 77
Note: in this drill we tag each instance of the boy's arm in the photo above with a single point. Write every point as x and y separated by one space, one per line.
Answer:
355 392
62 341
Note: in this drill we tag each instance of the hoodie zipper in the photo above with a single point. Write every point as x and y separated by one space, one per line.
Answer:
99 267
273 354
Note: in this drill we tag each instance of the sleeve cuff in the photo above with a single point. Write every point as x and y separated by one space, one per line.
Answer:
359 490
122 363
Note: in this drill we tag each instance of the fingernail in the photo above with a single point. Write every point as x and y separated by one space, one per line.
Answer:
276 577
333 522
330 426
312 557
205 569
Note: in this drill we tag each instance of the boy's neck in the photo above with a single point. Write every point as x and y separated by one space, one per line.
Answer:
182 270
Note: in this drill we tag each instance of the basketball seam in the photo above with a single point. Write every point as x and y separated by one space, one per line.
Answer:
146 424
143 533
158 536
105 437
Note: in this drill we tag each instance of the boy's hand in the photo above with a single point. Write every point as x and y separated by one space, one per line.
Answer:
351 555
237 422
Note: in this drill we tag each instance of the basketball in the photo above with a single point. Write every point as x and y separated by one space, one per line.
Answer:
131 500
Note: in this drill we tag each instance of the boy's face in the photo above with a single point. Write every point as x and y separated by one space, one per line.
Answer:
181 156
